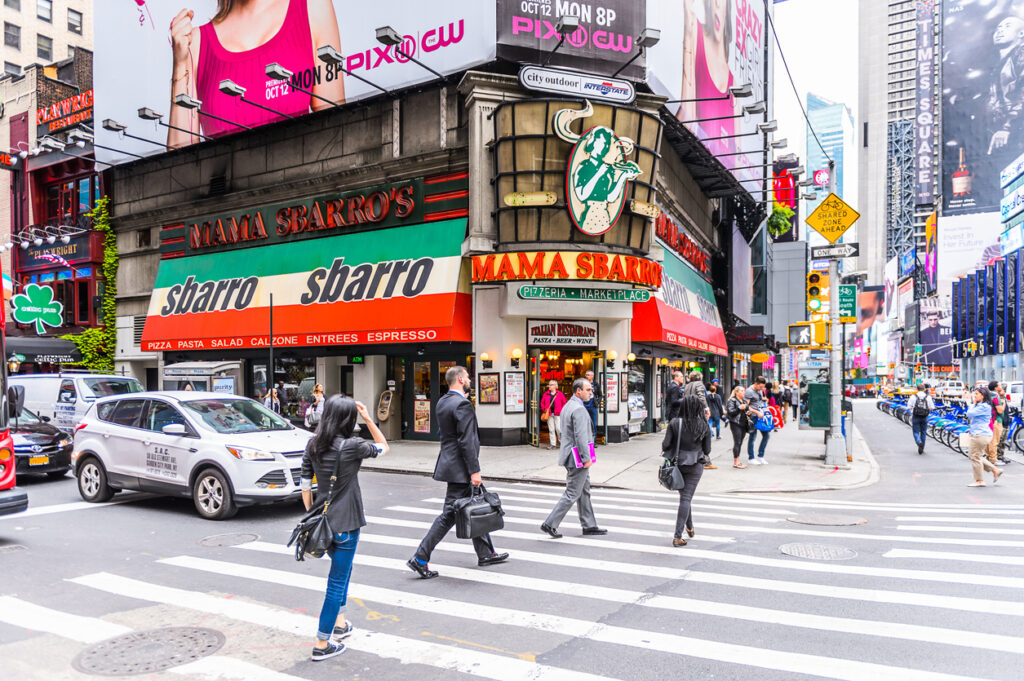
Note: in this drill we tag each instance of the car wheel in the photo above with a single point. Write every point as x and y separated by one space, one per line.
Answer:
212 495
56 475
92 481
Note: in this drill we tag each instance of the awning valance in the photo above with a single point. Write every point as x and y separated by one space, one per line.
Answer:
36 349
401 285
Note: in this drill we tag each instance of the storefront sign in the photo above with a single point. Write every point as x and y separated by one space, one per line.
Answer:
598 170
76 251
515 392
555 332
37 306
8 162
675 239
64 114
559 82
394 286
607 295
356 211
611 392
566 266
421 416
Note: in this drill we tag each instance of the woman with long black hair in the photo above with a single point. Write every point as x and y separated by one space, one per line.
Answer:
687 442
334 456
736 412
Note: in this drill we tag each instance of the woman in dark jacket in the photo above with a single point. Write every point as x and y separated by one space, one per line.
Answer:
736 412
333 448
687 441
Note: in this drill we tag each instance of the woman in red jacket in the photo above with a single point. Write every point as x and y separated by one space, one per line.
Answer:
551 404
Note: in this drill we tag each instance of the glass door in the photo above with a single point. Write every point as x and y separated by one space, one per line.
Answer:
533 398
421 395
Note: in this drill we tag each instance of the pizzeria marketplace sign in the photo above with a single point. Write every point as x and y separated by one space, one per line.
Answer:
601 295
399 285
64 114
566 266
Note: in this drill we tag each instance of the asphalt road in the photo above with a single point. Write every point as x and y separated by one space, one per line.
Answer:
933 592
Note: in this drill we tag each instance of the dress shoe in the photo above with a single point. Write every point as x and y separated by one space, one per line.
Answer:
555 534
594 530
678 542
710 466
423 570
689 532
492 559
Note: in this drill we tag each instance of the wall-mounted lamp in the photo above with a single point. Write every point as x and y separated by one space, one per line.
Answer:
611 357
631 357
14 363
516 355
664 361
485 360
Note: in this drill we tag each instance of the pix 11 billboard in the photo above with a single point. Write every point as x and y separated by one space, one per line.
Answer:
982 101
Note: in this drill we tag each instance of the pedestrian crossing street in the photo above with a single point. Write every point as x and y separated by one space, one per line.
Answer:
932 588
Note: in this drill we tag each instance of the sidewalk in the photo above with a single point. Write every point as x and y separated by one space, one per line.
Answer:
794 455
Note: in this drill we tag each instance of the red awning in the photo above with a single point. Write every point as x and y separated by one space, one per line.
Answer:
657 322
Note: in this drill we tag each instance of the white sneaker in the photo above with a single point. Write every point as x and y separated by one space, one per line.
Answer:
764 461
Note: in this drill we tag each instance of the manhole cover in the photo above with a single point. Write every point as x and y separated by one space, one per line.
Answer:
11 548
228 539
826 519
147 652
818 551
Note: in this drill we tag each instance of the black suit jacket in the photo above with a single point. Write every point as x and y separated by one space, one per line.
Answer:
673 398
460 442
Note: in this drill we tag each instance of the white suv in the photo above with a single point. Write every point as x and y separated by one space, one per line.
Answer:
223 451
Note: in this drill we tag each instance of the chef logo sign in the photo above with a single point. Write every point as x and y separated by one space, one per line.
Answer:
595 180
832 218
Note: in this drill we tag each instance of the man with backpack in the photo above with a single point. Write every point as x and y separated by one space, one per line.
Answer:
761 420
920 405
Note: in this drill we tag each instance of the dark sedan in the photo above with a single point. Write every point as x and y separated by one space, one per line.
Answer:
40 447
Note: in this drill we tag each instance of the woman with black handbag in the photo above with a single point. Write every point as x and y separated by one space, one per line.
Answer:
736 412
334 456
688 444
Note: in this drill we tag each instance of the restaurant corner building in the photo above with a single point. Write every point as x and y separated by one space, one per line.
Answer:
377 244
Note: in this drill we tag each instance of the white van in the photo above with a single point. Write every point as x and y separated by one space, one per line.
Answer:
1015 393
64 398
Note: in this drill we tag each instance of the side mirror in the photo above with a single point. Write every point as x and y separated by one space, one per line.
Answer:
15 400
174 429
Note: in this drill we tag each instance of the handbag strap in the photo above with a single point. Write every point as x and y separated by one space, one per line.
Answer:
334 478
679 436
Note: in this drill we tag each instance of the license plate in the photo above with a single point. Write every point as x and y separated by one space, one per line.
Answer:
38 460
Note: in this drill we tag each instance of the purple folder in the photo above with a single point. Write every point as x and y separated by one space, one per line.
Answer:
579 461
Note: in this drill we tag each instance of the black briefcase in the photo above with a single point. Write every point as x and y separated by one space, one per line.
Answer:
478 514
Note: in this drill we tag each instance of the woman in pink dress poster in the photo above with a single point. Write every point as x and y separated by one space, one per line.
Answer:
706 73
237 44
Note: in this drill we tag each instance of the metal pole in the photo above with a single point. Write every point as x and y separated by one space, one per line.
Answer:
835 447
270 366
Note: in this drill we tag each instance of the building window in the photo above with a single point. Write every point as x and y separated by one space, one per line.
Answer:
11 69
12 36
13 4
44 10
75 21
143 238
44 48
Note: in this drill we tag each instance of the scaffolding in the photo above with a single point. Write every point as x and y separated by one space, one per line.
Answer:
899 210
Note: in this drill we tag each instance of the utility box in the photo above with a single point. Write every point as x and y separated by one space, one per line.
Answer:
818 407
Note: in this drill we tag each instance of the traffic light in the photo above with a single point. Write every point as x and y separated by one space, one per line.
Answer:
817 291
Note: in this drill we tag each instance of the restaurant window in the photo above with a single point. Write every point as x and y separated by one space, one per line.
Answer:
44 47
68 200
44 10
12 36
75 21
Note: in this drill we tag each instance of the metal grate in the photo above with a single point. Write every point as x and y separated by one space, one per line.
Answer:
273 478
139 325
148 652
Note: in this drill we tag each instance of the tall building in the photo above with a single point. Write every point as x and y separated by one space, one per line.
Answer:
832 123
43 31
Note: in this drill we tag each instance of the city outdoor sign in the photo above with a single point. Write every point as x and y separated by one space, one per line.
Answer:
554 332
566 266
7 161
600 295
1012 171
832 218
846 250
37 306
560 82
847 303
821 177
64 114
677 240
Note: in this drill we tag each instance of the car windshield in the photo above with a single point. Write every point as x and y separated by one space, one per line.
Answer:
102 387
28 417
236 416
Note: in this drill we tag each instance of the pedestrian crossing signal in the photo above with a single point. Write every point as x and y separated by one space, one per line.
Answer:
817 291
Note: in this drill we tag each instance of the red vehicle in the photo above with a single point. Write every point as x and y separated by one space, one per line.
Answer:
12 500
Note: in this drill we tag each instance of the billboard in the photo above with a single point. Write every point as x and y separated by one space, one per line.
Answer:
908 261
145 60
904 297
870 308
965 243
924 117
983 92
706 48
931 254
892 278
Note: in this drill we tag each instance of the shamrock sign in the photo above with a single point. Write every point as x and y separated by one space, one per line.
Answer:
37 306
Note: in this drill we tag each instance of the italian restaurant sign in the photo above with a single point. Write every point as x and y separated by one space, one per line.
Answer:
561 332
566 266
399 285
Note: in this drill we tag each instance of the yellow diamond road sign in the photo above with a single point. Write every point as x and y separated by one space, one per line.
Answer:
832 218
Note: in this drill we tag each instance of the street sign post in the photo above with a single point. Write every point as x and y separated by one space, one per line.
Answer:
847 303
843 250
832 217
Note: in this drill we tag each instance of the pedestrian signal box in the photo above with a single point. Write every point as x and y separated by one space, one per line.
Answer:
808 334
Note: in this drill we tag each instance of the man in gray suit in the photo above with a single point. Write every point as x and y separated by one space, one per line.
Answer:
578 432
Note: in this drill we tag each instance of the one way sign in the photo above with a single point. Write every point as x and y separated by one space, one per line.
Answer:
837 251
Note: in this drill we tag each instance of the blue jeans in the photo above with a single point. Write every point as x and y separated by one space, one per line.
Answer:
715 422
342 553
764 443
920 427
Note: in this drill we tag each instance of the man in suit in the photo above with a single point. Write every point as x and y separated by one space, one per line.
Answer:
458 464
674 396
578 433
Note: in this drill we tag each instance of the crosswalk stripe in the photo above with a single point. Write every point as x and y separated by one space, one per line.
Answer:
982 605
956 519
77 506
966 557
693 606
787 529
611 528
671 644
405 650
1007 531
639 504
743 559
39 618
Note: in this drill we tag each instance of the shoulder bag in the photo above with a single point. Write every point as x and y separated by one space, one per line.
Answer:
478 514
669 475
313 535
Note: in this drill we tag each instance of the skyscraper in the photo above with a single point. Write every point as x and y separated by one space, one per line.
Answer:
831 124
